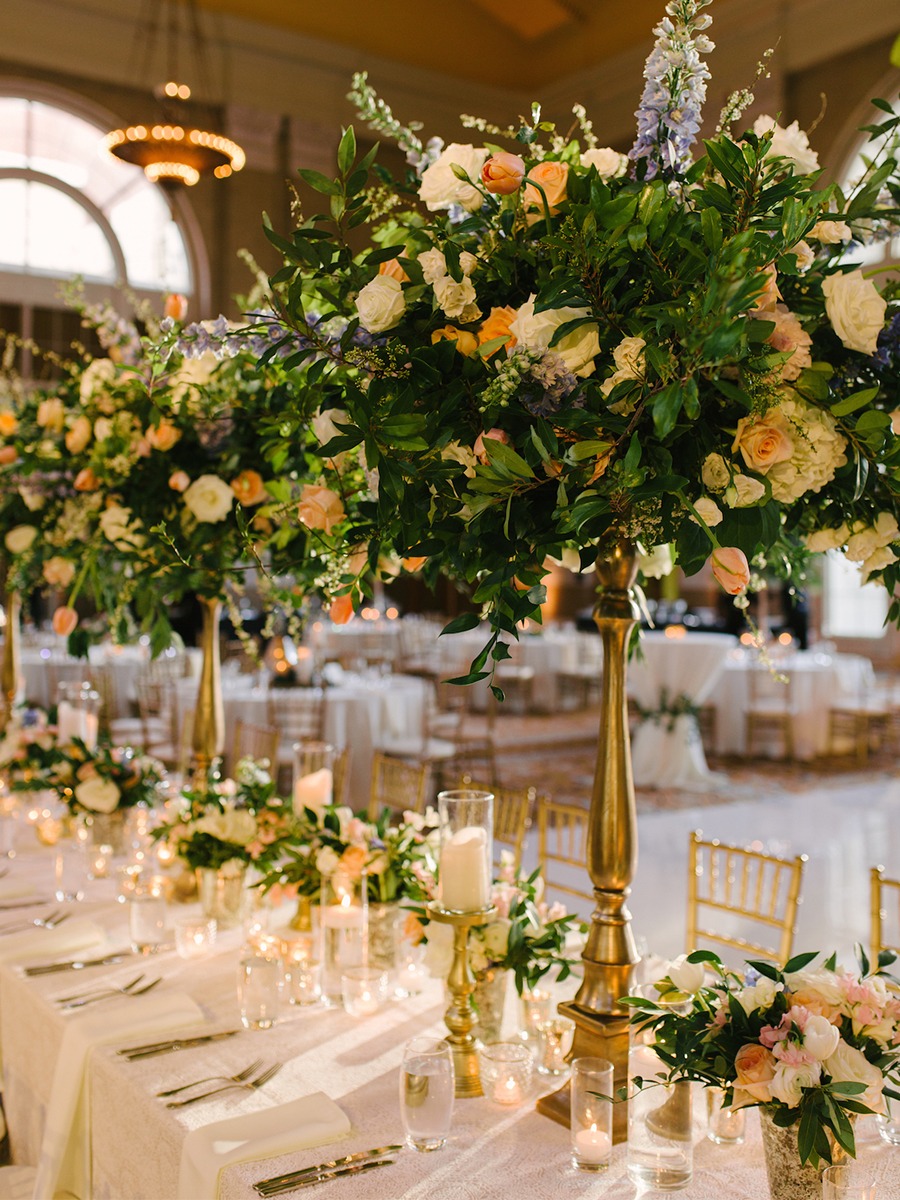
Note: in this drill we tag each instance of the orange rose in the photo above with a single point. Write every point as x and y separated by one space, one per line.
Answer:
341 609
179 481
497 325
394 270
320 507
8 423
64 620
249 488
763 441
86 480
353 860
730 567
175 306
497 435
503 173
162 436
414 564
754 1067
466 343
7 455
553 177
78 436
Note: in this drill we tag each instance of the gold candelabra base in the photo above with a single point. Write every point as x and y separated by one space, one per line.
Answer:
460 1016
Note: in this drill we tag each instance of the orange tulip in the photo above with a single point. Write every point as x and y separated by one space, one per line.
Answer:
341 609
64 620
175 306
503 173
731 569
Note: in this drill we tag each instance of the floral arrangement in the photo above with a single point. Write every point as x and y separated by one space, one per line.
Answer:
669 709
229 820
527 936
548 346
812 1045
28 728
101 780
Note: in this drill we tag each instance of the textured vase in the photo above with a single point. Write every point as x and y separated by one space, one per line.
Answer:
110 829
489 999
222 893
789 1179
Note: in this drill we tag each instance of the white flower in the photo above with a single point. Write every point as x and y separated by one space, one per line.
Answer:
327 861
323 424
629 357
535 331
744 491
855 309
468 262
610 163
209 499
864 540
759 995
33 498
827 539
439 949
655 563
96 377
877 562
822 983
99 795
19 539
687 977
464 455
496 938
818 451
707 510
805 256
117 527
456 299
103 429
848 1065
791 143
830 233
715 473
789 1082
380 304
433 264
820 1037
440 188
235 825
194 374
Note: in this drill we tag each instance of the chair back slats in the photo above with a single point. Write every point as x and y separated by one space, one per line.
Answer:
885 894
259 742
513 815
758 892
398 785
297 714
562 848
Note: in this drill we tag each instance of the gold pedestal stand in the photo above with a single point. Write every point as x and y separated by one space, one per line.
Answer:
10 667
609 958
460 1016
208 739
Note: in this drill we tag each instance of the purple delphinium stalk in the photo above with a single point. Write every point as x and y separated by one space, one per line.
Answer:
675 89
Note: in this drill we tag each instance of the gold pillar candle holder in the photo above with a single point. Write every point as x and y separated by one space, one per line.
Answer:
10 664
460 1016
208 740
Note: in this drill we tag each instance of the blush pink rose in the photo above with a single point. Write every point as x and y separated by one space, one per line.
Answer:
497 435
754 1067
763 441
64 620
341 609
320 508
731 569
503 173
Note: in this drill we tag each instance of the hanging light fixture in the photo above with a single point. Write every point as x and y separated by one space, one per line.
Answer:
169 147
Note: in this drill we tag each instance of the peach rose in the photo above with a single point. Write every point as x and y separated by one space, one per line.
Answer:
9 423
731 569
163 436
51 414
175 306
353 860
553 177
7 455
78 436
497 324
754 1067
497 435
503 173
249 488
86 480
58 572
770 295
320 508
416 563
763 441
393 268
466 343
341 609
179 481
64 620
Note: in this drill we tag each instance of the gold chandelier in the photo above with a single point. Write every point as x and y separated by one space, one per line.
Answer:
169 147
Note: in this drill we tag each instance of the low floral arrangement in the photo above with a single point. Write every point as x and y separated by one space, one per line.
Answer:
811 1045
103 780
28 729
669 709
237 820
527 936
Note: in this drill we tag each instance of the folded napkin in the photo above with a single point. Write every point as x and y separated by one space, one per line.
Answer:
299 1125
65 1162
15 889
38 945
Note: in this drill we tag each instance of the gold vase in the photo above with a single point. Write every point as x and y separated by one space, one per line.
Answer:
10 665
789 1179
601 1022
208 740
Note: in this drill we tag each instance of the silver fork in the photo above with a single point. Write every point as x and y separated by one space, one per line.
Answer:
251 1086
95 991
50 922
239 1078
128 992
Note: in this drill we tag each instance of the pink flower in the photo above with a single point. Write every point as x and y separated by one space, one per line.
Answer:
731 569
503 173
497 435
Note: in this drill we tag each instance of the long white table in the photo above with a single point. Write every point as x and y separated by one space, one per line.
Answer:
133 1143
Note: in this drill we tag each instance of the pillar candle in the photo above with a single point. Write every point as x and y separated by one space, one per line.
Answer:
463 870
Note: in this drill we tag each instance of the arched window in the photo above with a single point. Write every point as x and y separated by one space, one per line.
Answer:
69 208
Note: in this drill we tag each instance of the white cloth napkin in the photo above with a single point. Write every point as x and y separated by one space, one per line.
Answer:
65 1162
15 889
311 1121
33 945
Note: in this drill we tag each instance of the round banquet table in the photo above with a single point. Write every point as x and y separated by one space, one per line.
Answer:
667 751
126 663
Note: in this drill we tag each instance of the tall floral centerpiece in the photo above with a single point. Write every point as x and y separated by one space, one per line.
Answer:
549 347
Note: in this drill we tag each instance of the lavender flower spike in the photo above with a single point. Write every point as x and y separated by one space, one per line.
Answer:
675 89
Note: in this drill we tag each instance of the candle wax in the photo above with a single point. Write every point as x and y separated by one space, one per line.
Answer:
463 870
592 1145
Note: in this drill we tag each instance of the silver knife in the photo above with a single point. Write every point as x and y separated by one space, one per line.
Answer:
276 1180
135 1053
325 1177
77 964
23 904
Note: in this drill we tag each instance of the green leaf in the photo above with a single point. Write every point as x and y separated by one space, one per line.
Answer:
799 961
666 406
319 182
462 624
499 454
851 403
347 150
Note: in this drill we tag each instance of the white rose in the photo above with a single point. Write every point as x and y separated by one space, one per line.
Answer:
610 163
687 977
855 309
433 264
96 377
877 562
830 233
468 262
848 1065
34 499
791 143
535 331
715 473
240 826
209 498
454 298
789 1082
464 455
380 304
864 541
827 539
744 491
19 539
117 527
820 1037
759 995
707 510
496 938
323 424
655 563
326 861
440 188
805 256
629 357
99 795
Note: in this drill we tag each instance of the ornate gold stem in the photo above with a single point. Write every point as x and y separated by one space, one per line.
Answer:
208 739
10 665
601 1023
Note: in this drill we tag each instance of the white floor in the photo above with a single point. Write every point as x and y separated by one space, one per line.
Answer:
843 830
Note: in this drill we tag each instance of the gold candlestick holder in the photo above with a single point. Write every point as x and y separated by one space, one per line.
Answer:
460 1016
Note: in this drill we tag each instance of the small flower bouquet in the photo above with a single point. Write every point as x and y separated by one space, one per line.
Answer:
103 780
811 1045
28 729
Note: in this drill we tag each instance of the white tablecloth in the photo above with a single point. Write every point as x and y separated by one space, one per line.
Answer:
666 751
125 662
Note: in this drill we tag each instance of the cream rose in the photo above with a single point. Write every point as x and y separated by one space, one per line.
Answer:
609 163
827 539
744 491
457 299
235 825
707 510
209 499
380 304
51 414
805 256
849 1065
535 331
58 572
117 527
327 861
320 508
33 499
864 540
791 143
763 441
715 473
855 309
99 795
788 337
440 188
830 233
655 563
20 539
754 1070
433 264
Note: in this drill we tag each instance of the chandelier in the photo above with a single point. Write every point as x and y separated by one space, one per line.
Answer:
170 148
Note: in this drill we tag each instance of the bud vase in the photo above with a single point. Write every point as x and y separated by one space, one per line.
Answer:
789 1179
489 999
222 892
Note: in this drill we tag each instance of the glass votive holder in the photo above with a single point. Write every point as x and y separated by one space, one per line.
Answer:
147 919
304 979
364 990
889 1126
554 1041
71 870
259 982
725 1125
506 1072
194 936
100 861
466 831
591 1113
536 1008
848 1181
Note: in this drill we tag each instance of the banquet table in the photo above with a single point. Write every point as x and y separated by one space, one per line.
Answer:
133 1145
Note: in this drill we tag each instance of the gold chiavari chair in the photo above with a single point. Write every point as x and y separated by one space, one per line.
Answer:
513 809
299 715
398 785
770 710
259 742
562 848
885 913
731 889
312 754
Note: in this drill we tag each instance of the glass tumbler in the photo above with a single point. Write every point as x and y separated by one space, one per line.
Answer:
72 869
426 1092
146 920
848 1181
259 989
591 1113
660 1146
726 1125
